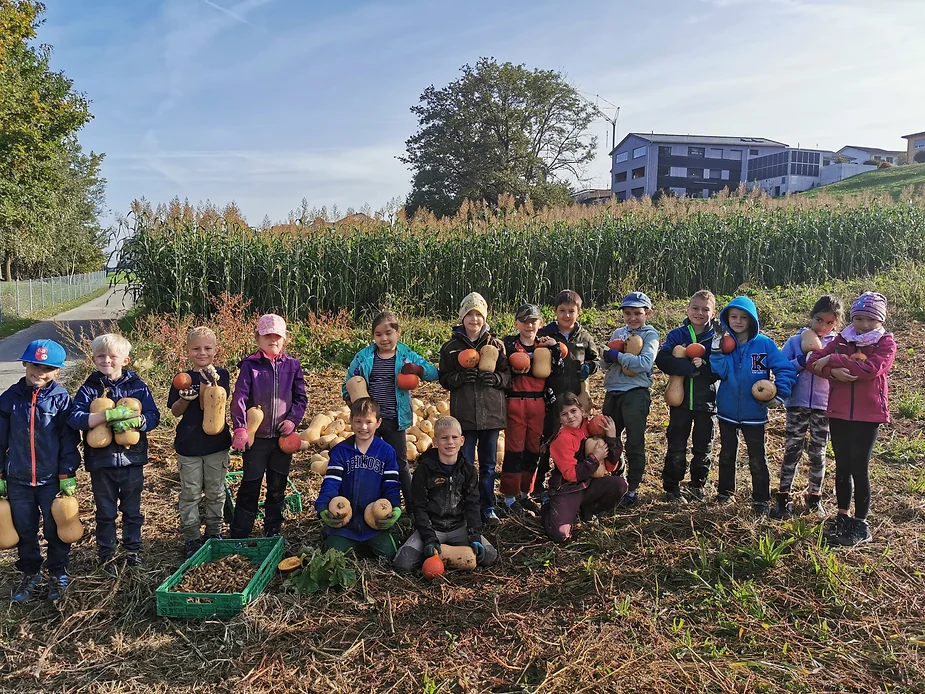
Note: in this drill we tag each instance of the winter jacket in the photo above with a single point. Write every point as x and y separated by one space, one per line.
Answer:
755 359
581 350
444 502
129 385
362 365
362 478
699 384
866 399
477 407
277 385
527 385
572 469
36 444
616 380
190 439
811 390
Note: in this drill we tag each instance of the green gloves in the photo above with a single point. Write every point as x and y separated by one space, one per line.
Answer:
2 488
118 413
67 485
387 523
122 426
431 549
330 520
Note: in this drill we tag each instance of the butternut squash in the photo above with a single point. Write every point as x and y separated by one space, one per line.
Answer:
313 433
584 396
100 436
132 436
423 443
426 426
433 567
289 564
8 535
764 390
339 507
380 509
632 346
542 362
456 557
810 342
66 512
335 427
253 419
468 358
213 398
600 472
356 388
674 393
325 441
318 464
488 358
443 407
411 452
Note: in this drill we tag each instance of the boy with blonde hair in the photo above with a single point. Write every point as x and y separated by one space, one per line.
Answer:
116 471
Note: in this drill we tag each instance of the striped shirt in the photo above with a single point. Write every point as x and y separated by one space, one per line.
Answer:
382 386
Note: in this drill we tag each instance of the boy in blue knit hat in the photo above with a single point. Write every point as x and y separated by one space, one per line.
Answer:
38 458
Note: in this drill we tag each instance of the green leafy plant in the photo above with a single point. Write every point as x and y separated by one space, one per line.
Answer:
321 571
768 552
911 405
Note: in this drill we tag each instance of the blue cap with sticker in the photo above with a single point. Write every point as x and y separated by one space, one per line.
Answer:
45 353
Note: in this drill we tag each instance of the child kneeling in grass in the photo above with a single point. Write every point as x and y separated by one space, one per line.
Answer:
445 499
363 469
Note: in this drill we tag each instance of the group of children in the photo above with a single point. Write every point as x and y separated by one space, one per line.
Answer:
837 386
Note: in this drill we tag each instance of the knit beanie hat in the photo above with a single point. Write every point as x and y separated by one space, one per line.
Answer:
473 302
870 304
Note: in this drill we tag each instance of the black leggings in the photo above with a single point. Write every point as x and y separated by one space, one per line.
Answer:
853 444
395 437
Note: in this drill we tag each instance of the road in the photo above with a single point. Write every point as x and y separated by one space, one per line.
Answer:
110 306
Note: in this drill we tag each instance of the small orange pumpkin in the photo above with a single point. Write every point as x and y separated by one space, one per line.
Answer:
617 344
728 345
290 444
407 381
596 425
563 350
520 362
469 358
433 567
182 381
694 350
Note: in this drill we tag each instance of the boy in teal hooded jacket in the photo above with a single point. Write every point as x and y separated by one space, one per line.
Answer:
754 358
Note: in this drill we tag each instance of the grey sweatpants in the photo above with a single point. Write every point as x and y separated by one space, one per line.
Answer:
198 476
799 421
411 554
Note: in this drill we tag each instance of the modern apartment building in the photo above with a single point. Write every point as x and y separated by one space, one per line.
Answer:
795 170
692 165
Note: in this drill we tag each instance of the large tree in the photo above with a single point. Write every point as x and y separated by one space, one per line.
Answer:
50 192
498 129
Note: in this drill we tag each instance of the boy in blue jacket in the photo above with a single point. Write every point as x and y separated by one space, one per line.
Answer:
116 471
753 358
38 458
363 469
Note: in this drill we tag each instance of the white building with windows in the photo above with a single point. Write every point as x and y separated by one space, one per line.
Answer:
692 165
858 155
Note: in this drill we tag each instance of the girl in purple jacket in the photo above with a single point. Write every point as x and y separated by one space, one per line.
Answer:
273 380
857 362
806 409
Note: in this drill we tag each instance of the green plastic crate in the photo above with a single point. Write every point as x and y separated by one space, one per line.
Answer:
264 552
293 500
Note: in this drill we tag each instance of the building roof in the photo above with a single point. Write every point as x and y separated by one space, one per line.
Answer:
701 140
872 150
906 137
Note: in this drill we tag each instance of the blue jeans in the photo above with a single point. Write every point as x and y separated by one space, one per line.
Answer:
487 440
25 504
118 489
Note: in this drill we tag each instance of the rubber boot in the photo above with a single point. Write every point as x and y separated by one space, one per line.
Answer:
814 505
784 508
242 524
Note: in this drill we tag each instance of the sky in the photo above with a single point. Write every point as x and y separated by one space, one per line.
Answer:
267 102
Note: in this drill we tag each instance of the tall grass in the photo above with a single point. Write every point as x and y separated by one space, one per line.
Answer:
514 255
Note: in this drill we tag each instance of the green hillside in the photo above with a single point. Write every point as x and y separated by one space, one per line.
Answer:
891 181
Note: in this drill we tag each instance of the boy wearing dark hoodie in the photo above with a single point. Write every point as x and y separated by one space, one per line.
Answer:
477 397
116 471
754 357
445 500
696 411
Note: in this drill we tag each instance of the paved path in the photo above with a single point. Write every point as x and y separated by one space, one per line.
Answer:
110 306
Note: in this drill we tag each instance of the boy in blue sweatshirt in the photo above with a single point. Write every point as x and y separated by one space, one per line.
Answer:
363 469
754 357
38 458
116 471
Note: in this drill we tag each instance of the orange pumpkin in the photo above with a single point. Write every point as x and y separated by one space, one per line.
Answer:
433 567
182 381
407 381
596 425
563 350
695 350
469 358
520 362
728 345
290 444
617 344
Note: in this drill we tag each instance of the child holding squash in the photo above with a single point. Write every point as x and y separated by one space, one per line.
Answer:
474 368
388 366
202 459
579 361
38 458
578 486
527 401
445 501
628 380
857 363
692 419
806 408
272 380
362 469
117 468
742 366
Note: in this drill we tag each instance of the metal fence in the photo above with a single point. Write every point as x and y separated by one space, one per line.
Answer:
23 297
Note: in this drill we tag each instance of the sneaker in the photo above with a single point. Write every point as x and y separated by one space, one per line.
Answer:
759 509
814 505
835 527
784 508
217 536
673 496
190 547
527 504
108 565
629 499
696 493
856 531
490 518
723 499
57 585
133 559
27 585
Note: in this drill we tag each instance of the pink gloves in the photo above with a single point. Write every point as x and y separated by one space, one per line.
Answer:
285 427
239 442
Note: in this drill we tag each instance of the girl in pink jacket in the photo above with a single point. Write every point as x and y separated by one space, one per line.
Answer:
857 362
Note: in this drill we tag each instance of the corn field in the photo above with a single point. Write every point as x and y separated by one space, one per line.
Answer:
515 255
